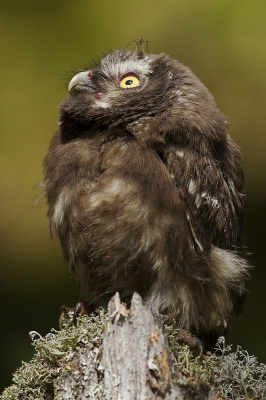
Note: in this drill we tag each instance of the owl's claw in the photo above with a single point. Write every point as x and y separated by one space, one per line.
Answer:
191 340
82 307
69 316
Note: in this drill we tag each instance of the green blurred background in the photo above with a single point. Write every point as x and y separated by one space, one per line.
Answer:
224 43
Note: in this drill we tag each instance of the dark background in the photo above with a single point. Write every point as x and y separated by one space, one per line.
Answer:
222 41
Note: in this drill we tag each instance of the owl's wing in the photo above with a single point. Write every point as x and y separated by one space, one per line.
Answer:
213 194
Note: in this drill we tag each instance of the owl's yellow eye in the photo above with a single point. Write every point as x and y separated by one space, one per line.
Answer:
129 81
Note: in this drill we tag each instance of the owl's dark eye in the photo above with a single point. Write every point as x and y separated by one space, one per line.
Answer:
129 81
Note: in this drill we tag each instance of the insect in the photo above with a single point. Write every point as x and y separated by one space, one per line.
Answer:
141 45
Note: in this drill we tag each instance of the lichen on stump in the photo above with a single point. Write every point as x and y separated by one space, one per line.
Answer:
128 354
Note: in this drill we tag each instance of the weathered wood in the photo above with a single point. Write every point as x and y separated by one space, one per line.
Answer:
134 362
136 358
79 380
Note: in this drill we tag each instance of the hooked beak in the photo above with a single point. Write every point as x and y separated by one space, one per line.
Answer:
80 81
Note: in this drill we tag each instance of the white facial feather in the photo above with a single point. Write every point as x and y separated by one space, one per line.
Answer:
136 65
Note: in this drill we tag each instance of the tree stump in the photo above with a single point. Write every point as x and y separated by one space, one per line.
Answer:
124 355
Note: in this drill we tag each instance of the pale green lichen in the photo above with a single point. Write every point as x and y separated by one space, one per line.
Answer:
233 375
237 374
35 379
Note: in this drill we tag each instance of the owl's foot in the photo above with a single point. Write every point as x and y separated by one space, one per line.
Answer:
82 307
191 340
182 335
69 316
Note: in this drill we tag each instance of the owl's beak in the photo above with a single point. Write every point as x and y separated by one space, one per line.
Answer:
80 81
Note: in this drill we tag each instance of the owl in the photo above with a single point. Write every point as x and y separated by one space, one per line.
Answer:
145 191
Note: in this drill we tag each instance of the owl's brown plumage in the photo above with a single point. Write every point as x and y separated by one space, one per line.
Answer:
145 190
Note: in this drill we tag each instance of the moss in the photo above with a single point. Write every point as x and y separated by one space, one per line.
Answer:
35 379
233 375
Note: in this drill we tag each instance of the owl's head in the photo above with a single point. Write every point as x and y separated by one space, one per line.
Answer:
144 95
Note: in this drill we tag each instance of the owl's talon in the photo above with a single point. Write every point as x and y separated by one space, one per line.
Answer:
82 307
191 340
